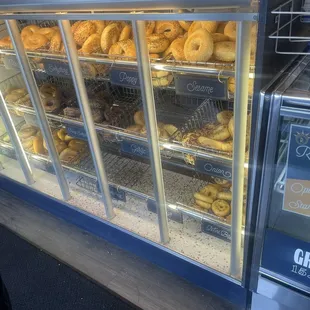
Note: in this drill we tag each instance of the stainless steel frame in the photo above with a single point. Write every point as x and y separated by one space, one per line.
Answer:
22 158
82 97
37 104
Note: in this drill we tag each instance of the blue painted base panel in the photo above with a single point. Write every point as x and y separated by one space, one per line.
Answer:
157 254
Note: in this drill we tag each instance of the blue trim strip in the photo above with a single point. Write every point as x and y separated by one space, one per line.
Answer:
141 247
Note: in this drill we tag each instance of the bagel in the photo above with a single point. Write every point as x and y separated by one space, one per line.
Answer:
203 197
219 37
231 85
218 145
231 126
61 133
6 42
222 182
199 46
224 117
123 48
230 30
48 90
203 204
51 104
159 74
225 51
48 32
78 145
75 26
126 33
109 36
55 43
221 208
170 29
221 27
210 26
209 191
219 133
157 43
28 143
139 118
38 147
100 24
134 128
92 44
35 41
163 81
185 24
83 31
29 30
224 195
176 48
88 69
69 155
27 131
149 27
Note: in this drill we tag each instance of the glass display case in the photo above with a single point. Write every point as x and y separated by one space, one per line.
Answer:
281 276
139 122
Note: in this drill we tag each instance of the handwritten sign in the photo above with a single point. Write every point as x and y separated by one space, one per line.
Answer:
287 256
76 132
213 169
135 149
10 62
125 77
172 214
201 86
297 184
57 68
215 230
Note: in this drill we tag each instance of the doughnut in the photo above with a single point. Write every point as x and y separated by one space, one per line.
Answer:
29 30
221 27
170 29
149 27
55 43
218 145
225 51
221 208
6 42
231 126
75 26
157 43
224 195
126 33
35 41
61 133
38 147
100 24
83 31
220 133
219 37
48 32
231 85
27 131
203 197
224 183
139 118
202 204
209 191
92 44
69 155
78 145
224 117
109 36
134 128
185 24
199 46
163 81
210 26
176 48
123 48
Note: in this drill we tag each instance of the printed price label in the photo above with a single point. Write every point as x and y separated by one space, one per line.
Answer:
216 230
76 132
213 169
135 149
174 215
57 68
125 77
287 256
201 86
10 62
297 184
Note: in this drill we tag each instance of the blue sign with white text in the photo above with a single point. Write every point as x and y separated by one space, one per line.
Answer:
287 256
213 169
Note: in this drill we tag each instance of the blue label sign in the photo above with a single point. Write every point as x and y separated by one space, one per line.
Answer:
201 86
218 231
57 68
76 132
125 77
213 169
287 256
135 149
297 183
10 62
174 215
